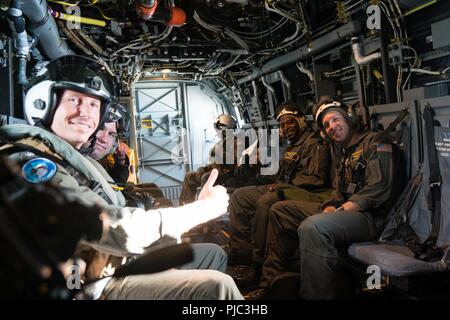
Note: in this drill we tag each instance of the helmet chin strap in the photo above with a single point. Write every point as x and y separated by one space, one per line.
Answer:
94 134
89 149
40 124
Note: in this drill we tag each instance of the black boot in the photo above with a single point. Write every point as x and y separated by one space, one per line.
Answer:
245 276
286 286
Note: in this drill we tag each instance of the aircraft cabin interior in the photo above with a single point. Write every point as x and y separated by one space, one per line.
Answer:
170 91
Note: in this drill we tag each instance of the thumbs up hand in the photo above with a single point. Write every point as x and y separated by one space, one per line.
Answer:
216 193
212 203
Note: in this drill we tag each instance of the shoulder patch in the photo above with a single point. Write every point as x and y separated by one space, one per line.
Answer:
384 147
39 170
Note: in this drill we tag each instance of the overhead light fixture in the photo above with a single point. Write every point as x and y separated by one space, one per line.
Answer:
166 71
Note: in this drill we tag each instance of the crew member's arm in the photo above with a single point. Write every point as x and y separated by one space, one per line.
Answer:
133 229
120 171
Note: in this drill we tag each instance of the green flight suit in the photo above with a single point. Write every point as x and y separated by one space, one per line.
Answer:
374 189
304 165
132 230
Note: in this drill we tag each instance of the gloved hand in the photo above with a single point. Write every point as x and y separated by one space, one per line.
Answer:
121 153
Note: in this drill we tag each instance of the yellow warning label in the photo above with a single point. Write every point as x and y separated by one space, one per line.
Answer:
147 124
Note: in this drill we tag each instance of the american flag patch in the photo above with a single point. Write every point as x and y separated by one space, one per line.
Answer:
383 147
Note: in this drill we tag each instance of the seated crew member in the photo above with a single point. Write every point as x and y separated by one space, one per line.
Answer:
105 143
69 102
304 170
241 172
193 180
110 151
362 198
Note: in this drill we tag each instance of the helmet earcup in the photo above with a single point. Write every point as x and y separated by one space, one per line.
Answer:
353 116
302 122
324 136
38 102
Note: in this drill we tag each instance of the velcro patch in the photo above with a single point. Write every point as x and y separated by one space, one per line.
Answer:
384 147
356 155
291 156
39 170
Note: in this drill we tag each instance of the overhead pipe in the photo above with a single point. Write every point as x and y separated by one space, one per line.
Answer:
287 83
151 10
43 26
74 38
270 88
307 50
77 19
21 45
301 67
94 45
256 93
255 88
359 57
225 30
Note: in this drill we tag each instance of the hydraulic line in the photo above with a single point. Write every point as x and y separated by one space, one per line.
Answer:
77 19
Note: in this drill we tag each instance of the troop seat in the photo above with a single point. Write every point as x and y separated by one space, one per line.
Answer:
395 259
420 219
